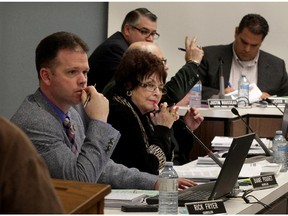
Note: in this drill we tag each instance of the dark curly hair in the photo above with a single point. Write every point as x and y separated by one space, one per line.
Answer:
135 66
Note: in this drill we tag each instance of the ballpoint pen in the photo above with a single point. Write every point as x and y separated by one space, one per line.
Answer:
182 49
88 98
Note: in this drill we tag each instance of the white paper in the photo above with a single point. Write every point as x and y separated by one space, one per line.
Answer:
254 93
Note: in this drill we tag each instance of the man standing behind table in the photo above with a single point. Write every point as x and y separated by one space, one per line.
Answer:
244 56
138 25
77 151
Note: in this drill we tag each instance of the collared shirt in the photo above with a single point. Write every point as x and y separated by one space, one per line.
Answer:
59 112
247 68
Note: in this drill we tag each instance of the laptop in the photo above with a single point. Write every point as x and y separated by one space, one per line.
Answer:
228 176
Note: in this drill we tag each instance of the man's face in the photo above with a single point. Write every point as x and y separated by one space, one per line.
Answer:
143 31
247 44
67 78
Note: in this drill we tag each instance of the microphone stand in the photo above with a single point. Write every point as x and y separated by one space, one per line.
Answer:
263 146
271 102
209 152
221 80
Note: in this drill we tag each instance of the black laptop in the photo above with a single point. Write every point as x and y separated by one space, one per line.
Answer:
228 176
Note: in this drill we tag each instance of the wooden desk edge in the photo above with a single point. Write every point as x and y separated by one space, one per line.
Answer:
90 196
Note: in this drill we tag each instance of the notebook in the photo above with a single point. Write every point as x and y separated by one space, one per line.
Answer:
223 186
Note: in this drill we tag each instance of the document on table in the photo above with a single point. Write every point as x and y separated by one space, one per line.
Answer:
211 172
119 197
254 93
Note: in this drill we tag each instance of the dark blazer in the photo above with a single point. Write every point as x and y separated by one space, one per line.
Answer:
105 59
272 74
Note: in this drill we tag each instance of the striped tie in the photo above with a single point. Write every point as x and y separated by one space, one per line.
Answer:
70 134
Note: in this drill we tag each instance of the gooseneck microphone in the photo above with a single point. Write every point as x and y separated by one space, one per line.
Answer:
221 80
263 146
209 152
271 102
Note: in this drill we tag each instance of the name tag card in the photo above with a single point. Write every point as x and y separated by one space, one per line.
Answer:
222 103
263 181
206 207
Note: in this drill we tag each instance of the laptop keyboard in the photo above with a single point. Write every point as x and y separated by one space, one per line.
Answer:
199 195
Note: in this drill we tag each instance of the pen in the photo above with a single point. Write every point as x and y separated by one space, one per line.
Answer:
182 49
229 85
157 111
88 98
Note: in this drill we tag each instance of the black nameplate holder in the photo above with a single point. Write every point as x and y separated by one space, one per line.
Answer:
263 182
206 207
222 103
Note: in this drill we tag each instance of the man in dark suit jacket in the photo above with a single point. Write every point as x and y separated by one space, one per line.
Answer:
138 25
244 56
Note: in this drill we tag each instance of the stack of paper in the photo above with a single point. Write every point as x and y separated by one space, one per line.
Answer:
117 198
222 143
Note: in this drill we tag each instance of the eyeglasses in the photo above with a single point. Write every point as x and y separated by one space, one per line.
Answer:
146 33
152 88
164 61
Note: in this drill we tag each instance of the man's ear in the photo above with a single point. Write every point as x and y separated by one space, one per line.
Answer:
236 31
126 29
45 74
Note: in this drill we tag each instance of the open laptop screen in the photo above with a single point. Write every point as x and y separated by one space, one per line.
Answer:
285 121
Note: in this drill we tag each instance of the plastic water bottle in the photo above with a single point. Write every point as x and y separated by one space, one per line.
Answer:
243 91
195 95
168 191
280 150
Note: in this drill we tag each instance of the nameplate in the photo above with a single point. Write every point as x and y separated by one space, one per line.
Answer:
206 207
222 103
263 181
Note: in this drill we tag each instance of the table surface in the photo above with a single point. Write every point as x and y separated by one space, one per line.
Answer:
226 113
237 205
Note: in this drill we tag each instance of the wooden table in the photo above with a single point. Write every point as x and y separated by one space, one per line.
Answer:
81 197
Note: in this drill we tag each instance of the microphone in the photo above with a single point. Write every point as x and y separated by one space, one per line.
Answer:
271 102
263 146
221 94
208 151
221 80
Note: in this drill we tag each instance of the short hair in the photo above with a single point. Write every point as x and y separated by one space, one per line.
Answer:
49 47
133 17
255 23
135 66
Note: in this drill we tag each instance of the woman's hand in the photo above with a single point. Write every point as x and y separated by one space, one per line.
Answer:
193 118
165 115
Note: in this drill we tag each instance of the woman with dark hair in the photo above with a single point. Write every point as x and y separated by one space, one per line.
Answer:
147 138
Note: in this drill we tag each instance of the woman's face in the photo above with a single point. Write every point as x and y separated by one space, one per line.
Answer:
148 94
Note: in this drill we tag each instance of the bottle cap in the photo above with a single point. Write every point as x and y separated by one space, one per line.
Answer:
169 163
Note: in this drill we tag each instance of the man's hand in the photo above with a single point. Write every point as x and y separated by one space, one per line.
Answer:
98 105
182 184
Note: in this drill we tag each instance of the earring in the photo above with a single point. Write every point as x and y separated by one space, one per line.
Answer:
129 93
